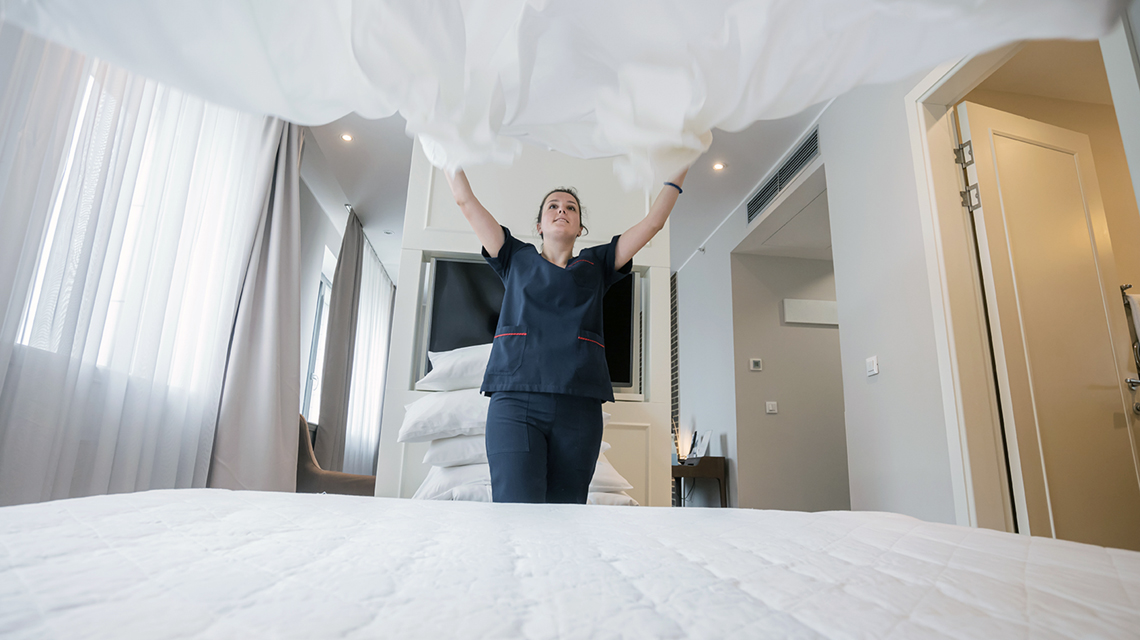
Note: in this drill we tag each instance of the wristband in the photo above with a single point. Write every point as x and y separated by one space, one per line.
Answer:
679 190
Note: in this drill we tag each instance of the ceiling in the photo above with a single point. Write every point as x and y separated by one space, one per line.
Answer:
1059 69
371 174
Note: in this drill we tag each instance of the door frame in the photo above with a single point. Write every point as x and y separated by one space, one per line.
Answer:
985 491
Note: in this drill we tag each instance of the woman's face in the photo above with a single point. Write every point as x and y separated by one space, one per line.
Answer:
560 216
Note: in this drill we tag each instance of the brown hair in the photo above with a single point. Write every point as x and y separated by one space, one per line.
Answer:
581 210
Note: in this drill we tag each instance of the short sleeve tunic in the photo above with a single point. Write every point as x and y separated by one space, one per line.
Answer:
549 337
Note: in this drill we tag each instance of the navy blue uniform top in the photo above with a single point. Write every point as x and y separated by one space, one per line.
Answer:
549 337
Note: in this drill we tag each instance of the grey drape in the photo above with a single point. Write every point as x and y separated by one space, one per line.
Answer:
340 346
255 446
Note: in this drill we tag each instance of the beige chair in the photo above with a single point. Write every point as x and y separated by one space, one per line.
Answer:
311 478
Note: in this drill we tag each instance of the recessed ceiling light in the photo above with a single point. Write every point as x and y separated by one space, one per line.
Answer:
719 166
346 137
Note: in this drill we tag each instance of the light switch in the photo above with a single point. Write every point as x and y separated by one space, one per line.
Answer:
755 364
872 366
769 407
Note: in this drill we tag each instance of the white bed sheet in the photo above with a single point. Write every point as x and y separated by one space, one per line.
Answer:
646 80
214 563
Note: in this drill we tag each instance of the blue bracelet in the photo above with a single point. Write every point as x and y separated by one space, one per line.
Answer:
679 190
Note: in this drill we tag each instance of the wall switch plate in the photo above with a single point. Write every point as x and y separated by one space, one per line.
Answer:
755 364
770 407
872 366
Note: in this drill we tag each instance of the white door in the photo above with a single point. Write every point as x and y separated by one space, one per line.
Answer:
1057 325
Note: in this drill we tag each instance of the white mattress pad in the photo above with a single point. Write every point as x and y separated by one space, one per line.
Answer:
210 563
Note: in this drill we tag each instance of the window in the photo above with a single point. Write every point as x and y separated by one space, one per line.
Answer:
312 406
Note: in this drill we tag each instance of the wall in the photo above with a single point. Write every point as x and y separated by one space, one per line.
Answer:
795 459
433 225
897 452
317 232
1098 122
704 323
1121 53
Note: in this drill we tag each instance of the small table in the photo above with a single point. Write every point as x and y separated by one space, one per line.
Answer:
704 467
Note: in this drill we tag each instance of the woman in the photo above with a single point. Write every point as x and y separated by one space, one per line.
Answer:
547 375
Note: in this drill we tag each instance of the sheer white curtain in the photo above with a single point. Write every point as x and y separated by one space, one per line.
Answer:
39 80
116 367
369 365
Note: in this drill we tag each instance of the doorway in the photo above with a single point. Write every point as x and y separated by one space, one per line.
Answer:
1018 298
791 442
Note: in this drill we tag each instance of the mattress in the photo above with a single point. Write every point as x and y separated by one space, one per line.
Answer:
208 563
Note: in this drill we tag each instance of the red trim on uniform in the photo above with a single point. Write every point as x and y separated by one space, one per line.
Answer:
577 261
594 341
509 334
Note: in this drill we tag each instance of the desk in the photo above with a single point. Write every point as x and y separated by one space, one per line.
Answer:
706 467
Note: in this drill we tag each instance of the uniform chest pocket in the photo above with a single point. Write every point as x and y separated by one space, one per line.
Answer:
585 274
509 350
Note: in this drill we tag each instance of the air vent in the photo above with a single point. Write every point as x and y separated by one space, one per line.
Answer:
782 177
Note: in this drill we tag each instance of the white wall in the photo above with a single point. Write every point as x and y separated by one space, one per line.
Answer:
317 232
433 225
705 328
795 459
897 452
706 357
1121 52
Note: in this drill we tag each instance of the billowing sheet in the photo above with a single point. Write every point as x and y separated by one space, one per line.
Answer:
644 79
196 563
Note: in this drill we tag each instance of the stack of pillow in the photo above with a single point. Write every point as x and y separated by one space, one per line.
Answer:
454 420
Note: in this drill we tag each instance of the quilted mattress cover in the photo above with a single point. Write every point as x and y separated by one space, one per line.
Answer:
212 563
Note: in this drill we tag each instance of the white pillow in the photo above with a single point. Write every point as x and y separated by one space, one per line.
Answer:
441 482
469 493
442 415
619 499
457 450
456 369
607 479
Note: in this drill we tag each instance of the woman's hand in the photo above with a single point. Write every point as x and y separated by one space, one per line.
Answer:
486 228
641 233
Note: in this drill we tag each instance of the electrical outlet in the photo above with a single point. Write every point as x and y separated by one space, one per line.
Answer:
755 364
770 407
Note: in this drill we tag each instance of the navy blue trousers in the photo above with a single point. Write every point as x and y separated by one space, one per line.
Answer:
542 447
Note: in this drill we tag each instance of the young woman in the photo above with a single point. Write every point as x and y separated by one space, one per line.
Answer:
547 375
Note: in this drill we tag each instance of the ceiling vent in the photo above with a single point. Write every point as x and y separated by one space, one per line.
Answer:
782 177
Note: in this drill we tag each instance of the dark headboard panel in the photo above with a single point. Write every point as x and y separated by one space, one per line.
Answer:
467 296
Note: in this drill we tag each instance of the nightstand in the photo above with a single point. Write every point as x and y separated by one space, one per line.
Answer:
703 467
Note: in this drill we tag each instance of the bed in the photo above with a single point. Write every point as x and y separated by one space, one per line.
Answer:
196 563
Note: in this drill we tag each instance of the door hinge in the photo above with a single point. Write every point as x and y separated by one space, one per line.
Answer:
971 199
964 154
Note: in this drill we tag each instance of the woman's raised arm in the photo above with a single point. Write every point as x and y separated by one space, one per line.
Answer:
486 228
641 233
